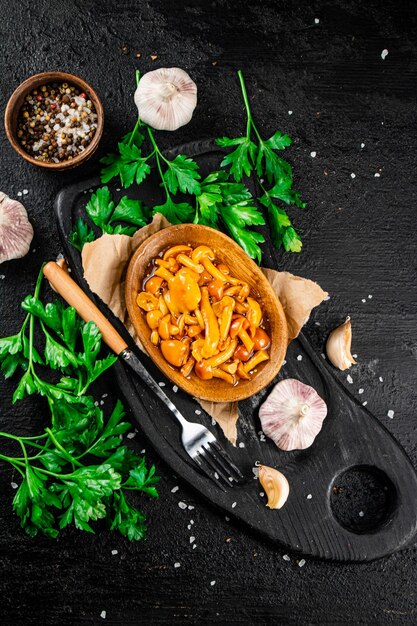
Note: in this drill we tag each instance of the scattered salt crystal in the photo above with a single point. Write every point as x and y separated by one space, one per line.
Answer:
323 356
313 154
192 539
365 403
194 546
317 323
174 489
301 563
363 300
177 565
370 296
190 507
361 513
227 519
19 193
381 380
212 582
384 54
104 395
361 390
234 504
286 557
130 435
299 358
143 451
353 175
390 413
362 145
2 276
96 403
241 444
182 505
25 192
114 552
284 362
261 493
213 422
161 384
101 404
103 614
189 527
349 379
191 521
289 112
14 485
197 412
309 496
377 174
355 356
118 189
175 389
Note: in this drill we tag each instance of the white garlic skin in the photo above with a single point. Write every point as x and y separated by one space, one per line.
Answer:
166 98
16 232
292 415
275 485
338 346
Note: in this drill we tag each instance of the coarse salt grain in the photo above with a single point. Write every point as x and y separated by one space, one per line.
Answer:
14 485
19 193
384 54
353 175
131 435
363 300
309 496
316 20
177 565
299 357
212 582
362 145
365 403
381 380
286 557
174 489
191 507
197 412
194 546
377 174
301 563
189 527
114 552
361 390
192 539
349 379
241 444
25 192
313 154
161 384
182 505
289 112
370 296
234 504
390 413
361 513
175 389
103 615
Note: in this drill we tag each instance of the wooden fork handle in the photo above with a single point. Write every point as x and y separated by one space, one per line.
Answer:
75 296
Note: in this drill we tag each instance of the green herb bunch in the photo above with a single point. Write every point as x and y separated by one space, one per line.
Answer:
78 470
221 200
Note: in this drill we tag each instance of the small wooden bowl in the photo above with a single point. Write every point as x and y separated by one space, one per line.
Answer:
241 266
15 104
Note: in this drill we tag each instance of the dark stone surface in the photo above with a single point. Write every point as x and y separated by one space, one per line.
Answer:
359 237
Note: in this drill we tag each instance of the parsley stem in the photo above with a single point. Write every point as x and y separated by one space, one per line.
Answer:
133 133
158 154
66 454
249 122
32 319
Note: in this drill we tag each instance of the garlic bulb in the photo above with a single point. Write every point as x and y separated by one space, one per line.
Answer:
275 485
166 98
16 232
292 415
338 346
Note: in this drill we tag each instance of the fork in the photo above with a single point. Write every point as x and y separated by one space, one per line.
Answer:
199 443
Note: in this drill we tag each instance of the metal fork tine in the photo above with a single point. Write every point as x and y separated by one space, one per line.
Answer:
197 458
206 453
225 459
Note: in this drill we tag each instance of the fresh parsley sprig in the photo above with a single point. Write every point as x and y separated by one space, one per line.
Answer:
78 470
253 154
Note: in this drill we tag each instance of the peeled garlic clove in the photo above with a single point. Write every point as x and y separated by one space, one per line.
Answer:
275 486
338 346
292 415
166 98
16 232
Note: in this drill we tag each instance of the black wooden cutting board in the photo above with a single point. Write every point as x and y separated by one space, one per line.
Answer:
352 440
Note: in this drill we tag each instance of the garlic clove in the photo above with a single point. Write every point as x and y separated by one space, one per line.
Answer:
16 232
275 485
292 415
166 98
338 346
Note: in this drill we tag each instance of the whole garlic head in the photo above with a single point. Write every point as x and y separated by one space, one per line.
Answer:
166 98
292 415
275 486
338 346
16 232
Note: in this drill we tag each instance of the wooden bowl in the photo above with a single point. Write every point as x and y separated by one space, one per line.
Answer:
228 252
16 101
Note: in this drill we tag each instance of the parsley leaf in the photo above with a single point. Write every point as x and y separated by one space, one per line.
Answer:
176 213
241 159
80 234
182 174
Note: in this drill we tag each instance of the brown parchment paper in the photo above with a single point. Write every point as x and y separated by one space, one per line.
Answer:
105 263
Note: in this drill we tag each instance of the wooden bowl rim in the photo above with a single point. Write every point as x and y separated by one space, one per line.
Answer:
15 103
228 394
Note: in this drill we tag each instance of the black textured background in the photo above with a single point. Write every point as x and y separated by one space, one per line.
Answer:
359 240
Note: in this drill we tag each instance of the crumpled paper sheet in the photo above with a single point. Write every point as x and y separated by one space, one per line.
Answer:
105 263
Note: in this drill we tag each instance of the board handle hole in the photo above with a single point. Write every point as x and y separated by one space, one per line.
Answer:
362 499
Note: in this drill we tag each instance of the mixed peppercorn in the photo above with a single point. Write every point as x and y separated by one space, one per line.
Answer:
56 122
